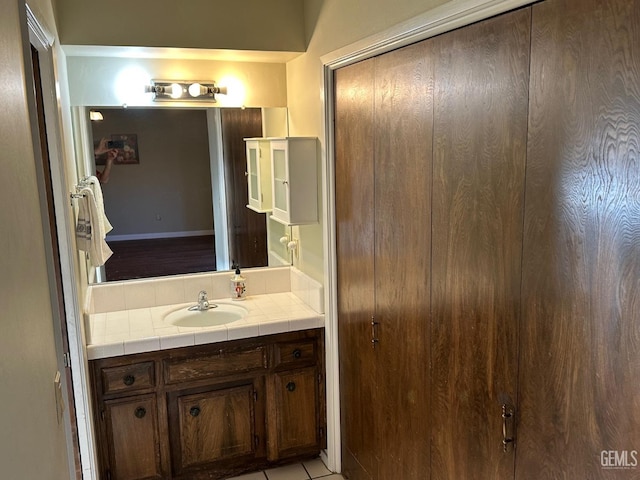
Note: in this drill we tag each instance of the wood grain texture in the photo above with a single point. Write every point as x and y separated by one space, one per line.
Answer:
215 426
247 229
226 361
298 414
132 430
128 378
403 166
355 248
481 98
580 359
239 411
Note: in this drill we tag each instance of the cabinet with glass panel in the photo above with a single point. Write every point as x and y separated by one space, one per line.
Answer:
295 180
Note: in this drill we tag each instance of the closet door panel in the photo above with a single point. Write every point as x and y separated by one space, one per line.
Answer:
580 359
403 163
481 98
354 177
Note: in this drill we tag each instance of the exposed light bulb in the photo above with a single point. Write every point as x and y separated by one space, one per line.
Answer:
195 90
176 90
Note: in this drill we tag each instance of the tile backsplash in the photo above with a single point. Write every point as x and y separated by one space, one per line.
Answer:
307 289
133 294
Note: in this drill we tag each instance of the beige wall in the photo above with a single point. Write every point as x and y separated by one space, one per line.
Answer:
114 81
173 178
238 24
330 25
32 444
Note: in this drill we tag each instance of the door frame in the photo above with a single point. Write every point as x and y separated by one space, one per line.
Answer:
43 41
447 17
218 189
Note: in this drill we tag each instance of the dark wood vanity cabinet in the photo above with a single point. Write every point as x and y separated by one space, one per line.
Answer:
131 428
216 427
211 411
295 423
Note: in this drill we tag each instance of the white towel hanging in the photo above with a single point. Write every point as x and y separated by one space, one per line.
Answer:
97 193
90 232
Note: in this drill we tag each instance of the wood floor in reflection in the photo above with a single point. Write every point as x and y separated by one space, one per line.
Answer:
160 257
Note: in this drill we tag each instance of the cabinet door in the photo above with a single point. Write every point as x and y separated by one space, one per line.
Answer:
480 138
403 165
355 247
214 427
580 358
296 412
280 182
259 175
253 173
133 440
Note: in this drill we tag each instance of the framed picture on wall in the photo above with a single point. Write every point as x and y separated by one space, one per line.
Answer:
127 145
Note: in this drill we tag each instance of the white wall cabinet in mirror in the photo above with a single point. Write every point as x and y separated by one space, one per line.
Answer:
294 166
259 174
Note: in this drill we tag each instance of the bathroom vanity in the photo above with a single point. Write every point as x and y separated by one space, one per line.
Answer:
173 399
210 411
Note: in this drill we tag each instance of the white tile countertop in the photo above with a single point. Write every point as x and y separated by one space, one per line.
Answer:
124 332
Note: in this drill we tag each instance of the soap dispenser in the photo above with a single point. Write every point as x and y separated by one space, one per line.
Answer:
238 287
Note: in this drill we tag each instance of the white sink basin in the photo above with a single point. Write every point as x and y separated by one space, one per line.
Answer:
222 314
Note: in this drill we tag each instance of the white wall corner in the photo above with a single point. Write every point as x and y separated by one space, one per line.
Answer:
307 289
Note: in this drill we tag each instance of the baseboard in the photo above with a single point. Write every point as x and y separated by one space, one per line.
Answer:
150 236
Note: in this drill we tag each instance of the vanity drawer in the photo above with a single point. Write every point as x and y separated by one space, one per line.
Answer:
124 378
221 362
295 354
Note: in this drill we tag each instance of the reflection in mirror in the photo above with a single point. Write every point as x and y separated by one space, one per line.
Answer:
176 191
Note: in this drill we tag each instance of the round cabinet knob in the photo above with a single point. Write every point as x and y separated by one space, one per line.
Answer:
194 411
297 353
291 386
128 380
140 412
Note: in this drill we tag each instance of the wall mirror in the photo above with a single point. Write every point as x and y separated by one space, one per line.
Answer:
176 194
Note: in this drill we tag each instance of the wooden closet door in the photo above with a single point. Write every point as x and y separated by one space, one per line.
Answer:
403 163
580 358
481 97
355 268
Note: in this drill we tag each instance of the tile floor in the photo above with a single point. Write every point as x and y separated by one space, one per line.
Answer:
298 471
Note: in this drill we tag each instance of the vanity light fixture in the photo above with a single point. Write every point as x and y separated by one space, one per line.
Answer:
168 90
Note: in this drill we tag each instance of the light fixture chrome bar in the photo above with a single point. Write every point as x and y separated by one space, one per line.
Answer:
181 90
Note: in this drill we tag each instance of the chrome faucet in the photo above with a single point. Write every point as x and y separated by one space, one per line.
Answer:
203 302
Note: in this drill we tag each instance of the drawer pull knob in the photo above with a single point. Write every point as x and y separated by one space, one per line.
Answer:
128 380
297 353
291 386
140 412
194 411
